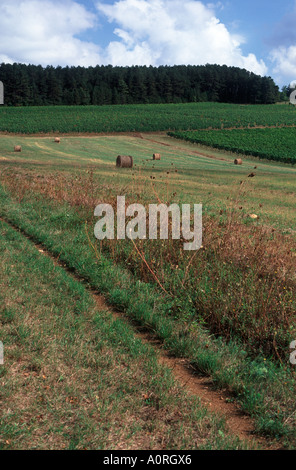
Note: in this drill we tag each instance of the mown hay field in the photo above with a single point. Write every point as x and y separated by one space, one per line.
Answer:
197 175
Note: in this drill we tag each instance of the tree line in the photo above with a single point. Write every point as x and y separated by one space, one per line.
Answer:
34 85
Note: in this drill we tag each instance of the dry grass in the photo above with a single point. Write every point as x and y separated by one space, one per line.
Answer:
242 282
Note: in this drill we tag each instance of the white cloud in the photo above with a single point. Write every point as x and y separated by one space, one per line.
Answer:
283 53
284 60
171 32
149 32
43 32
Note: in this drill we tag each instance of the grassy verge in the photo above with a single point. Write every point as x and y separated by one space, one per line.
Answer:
75 378
265 389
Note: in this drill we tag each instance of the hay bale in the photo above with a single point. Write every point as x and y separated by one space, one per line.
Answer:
238 161
17 148
156 156
124 161
254 216
57 140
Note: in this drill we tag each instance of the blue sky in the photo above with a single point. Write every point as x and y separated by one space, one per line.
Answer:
257 35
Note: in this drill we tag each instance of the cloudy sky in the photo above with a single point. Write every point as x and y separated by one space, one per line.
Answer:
259 35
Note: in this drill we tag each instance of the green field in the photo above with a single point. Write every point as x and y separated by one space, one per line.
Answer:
229 308
142 118
271 144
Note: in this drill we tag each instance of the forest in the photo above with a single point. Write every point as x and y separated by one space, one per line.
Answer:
34 85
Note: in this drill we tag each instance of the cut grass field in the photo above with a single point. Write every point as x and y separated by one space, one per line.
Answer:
196 174
50 190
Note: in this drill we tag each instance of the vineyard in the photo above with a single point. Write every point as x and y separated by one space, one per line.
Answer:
273 144
142 118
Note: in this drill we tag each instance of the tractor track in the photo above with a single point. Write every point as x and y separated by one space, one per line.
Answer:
219 402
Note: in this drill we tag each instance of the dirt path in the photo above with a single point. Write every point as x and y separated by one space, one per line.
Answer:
219 402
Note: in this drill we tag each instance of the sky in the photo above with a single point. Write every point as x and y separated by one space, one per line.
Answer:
258 35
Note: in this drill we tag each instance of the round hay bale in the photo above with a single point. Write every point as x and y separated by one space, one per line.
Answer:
57 140
254 216
17 148
124 161
238 161
156 156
